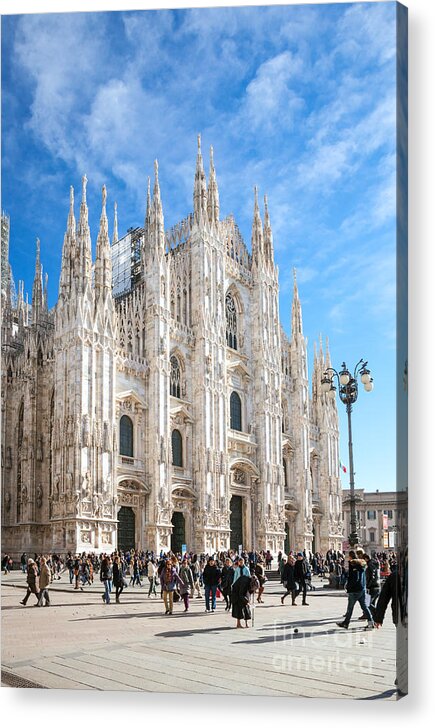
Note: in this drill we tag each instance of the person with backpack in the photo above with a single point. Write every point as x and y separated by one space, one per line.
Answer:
356 589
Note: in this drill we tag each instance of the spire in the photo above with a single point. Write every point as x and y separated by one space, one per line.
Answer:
199 189
37 292
212 194
296 309
257 231
84 240
148 210
115 223
156 224
68 251
268 238
103 262
71 224
46 292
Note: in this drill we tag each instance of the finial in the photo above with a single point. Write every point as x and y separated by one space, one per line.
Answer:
38 249
104 198
71 197
295 283
84 183
156 170
265 203
149 188
199 143
211 156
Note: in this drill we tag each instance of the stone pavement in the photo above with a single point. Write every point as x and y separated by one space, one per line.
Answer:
80 642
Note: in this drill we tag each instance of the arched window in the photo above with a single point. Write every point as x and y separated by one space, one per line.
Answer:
175 378
231 315
235 412
126 436
177 449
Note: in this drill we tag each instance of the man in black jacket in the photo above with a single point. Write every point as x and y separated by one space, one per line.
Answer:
301 572
211 577
356 589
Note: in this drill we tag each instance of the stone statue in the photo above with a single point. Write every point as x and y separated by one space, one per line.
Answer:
39 494
56 489
8 501
8 462
86 485
24 494
95 504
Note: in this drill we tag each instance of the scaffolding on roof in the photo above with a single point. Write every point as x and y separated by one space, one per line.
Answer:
126 254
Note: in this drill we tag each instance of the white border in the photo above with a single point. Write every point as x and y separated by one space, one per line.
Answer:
94 707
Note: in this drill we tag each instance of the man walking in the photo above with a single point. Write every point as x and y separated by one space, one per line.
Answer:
356 589
301 571
44 583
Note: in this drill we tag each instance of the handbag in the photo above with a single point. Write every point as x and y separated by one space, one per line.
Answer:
176 596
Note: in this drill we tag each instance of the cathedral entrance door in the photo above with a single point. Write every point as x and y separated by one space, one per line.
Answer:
126 529
178 536
236 522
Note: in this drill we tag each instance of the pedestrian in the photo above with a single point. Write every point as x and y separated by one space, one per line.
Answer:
135 578
240 596
301 577
106 573
152 577
288 577
32 582
23 562
186 586
118 577
262 578
356 589
240 570
169 580
44 583
227 577
195 568
211 578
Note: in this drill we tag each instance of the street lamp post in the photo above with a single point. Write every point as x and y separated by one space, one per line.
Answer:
348 393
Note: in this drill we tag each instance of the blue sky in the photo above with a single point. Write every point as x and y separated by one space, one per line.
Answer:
299 100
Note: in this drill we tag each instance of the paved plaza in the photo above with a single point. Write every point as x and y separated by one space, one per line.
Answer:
80 642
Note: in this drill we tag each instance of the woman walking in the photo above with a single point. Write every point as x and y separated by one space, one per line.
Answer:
118 578
32 582
169 580
186 587
106 573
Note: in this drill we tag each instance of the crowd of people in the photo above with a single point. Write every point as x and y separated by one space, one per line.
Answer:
239 578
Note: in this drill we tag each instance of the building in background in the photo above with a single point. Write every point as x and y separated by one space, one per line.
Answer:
378 519
160 403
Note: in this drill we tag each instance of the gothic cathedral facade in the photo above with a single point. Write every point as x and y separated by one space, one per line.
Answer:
175 412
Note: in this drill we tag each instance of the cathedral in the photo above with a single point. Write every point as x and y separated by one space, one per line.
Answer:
159 404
